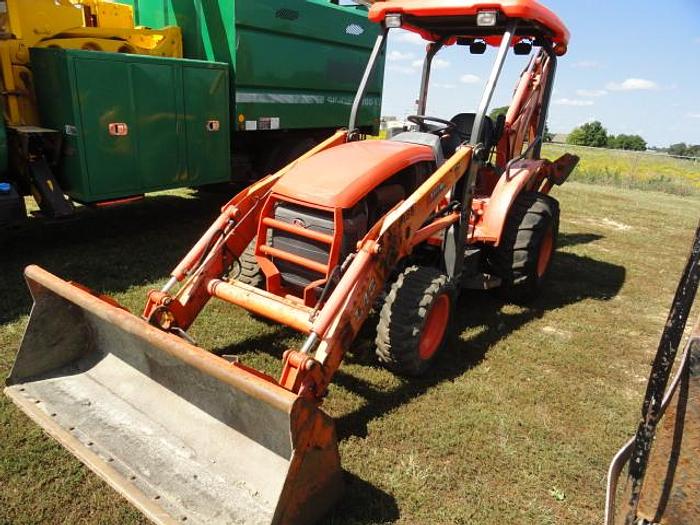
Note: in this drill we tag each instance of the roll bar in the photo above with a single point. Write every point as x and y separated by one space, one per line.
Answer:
379 46
432 49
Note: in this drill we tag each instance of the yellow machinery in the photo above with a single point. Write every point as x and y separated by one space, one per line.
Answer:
95 25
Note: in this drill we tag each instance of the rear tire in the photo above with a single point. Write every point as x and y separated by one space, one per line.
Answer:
248 269
415 321
524 256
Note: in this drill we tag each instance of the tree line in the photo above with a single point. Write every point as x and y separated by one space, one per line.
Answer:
683 150
593 134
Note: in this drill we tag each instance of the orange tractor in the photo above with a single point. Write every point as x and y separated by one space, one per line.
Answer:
353 226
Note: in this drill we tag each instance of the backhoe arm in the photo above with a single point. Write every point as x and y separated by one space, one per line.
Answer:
524 111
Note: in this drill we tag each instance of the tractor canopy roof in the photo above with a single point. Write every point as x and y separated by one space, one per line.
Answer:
448 20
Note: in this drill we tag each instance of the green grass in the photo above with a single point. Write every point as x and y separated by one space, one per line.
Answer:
632 170
515 424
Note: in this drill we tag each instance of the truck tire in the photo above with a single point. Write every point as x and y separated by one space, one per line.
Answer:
415 321
296 149
248 271
285 152
524 256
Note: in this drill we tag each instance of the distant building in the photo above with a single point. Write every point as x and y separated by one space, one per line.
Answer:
560 138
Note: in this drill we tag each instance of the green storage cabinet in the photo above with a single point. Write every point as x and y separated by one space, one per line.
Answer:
295 64
134 124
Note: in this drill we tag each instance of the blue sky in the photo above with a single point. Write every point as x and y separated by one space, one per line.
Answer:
633 65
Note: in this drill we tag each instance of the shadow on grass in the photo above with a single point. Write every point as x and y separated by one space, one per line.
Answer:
273 343
113 249
109 249
377 506
572 239
573 278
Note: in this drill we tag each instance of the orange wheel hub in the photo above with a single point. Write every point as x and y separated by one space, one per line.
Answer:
434 328
546 250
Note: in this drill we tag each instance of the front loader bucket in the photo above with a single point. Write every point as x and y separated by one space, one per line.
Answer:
183 434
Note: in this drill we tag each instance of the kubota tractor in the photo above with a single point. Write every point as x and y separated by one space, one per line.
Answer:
396 226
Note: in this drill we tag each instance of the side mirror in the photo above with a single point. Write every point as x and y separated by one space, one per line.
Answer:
522 48
477 48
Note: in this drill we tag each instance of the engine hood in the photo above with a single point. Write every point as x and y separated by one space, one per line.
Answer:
340 176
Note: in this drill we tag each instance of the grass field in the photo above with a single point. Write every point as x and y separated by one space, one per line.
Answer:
515 424
632 169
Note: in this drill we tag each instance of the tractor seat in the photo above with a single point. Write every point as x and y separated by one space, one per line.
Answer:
465 123
424 139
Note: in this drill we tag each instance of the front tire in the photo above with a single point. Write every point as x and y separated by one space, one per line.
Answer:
248 271
415 321
524 256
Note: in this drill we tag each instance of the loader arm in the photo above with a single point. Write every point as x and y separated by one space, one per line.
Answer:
334 328
218 248
389 241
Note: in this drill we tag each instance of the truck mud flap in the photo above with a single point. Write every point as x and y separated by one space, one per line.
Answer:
184 435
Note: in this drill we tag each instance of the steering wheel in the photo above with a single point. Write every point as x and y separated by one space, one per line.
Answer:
421 120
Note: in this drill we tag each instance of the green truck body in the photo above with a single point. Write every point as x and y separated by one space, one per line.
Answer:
133 124
294 64
261 82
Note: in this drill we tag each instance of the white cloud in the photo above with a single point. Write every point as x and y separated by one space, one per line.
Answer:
693 115
416 66
591 92
633 84
404 70
398 56
573 102
586 64
408 37
438 63
469 79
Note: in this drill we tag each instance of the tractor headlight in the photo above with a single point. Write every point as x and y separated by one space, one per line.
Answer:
393 21
486 18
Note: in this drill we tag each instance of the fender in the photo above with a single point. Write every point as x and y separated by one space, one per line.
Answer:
492 212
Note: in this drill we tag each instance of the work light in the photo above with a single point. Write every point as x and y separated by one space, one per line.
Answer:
486 18
392 21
